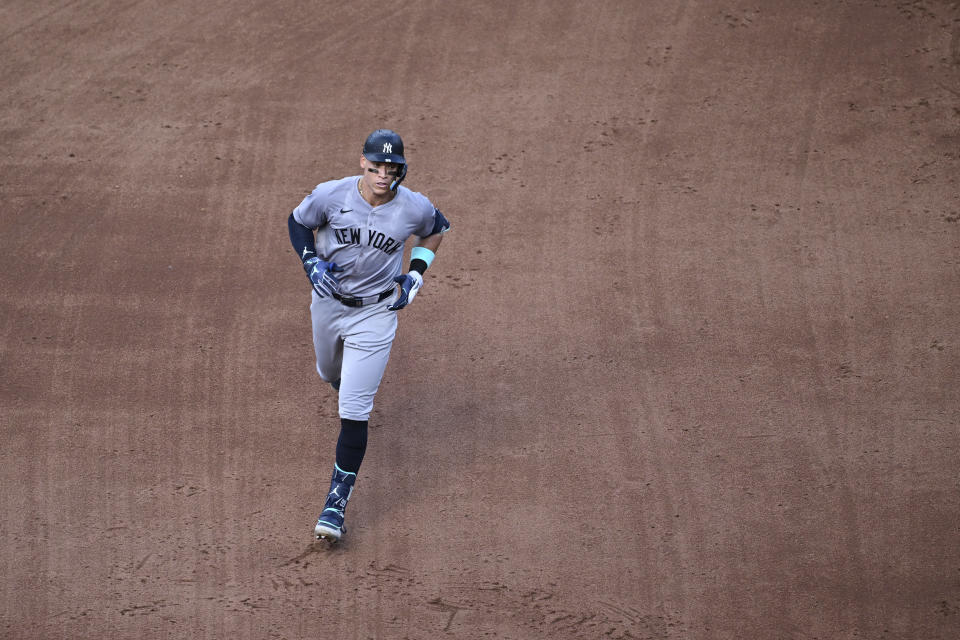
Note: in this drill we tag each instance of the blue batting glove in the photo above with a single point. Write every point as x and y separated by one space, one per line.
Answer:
321 276
409 283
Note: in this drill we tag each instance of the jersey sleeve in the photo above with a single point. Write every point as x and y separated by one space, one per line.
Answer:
312 212
432 221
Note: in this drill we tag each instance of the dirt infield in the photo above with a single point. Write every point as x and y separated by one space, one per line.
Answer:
686 366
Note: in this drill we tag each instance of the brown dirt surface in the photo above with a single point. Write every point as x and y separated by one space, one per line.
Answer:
686 366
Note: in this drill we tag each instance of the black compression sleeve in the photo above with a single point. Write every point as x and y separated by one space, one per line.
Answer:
301 238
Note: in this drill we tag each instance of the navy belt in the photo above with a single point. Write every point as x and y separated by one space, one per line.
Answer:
353 301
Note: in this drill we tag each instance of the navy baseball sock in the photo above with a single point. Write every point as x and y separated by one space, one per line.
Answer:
352 444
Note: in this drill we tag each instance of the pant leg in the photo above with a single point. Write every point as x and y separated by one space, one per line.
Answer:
368 338
326 316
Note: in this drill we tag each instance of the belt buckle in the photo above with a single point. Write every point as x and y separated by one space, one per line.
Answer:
350 301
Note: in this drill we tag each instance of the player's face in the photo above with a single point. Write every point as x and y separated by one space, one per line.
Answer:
378 176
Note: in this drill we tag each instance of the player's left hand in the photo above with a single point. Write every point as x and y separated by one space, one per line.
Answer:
409 283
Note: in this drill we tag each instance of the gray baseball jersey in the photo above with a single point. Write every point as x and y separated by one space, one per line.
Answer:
366 241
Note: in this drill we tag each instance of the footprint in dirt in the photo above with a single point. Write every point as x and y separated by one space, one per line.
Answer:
312 549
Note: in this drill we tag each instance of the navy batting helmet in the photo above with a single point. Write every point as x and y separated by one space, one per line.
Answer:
384 145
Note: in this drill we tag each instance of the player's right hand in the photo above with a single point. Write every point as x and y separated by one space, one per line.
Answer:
321 276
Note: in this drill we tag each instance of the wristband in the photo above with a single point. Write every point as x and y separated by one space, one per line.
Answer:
422 253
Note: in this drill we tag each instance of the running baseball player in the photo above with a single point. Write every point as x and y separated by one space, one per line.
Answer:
350 236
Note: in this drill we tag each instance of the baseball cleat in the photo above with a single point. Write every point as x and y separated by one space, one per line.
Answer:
330 523
327 527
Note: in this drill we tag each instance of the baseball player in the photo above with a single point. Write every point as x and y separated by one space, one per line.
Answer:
350 236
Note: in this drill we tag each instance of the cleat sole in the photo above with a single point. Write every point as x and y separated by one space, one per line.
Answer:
327 534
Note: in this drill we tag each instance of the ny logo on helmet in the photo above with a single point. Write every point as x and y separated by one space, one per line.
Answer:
387 147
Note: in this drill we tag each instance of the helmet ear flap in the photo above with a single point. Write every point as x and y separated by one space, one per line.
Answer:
400 176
